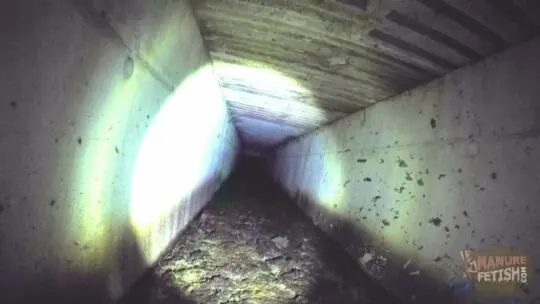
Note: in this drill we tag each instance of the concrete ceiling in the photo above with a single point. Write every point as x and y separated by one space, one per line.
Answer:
287 67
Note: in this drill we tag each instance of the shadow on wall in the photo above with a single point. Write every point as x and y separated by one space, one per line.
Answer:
98 284
405 190
347 217
34 234
372 291
151 286
101 282
359 287
94 286
373 258
431 172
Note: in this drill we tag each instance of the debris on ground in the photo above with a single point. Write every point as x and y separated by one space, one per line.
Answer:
252 245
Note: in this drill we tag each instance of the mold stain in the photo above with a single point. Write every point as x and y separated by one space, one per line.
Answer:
435 221
402 163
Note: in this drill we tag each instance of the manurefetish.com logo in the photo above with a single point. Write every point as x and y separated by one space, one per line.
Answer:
497 270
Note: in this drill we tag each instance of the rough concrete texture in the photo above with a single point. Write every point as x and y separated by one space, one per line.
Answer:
93 132
252 245
313 61
407 184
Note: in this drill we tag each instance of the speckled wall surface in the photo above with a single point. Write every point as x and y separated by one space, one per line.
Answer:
113 135
410 182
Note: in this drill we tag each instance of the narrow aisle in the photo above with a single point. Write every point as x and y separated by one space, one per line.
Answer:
253 245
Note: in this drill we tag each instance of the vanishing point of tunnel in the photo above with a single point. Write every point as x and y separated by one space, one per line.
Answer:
251 245
269 151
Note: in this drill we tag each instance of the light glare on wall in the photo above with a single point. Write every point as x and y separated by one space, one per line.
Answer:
176 154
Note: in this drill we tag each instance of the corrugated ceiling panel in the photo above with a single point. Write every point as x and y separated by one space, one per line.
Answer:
316 61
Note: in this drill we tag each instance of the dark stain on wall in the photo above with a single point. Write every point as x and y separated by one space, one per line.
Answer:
408 176
436 221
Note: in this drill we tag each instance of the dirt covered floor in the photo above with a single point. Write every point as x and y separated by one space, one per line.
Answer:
253 245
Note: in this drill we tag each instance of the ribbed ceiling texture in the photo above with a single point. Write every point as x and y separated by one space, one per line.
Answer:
288 67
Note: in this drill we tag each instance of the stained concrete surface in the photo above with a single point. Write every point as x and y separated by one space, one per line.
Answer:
252 245
82 113
336 57
448 166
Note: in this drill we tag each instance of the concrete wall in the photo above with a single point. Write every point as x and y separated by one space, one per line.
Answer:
410 182
113 135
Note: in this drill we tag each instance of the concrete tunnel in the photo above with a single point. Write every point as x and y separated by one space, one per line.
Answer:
407 132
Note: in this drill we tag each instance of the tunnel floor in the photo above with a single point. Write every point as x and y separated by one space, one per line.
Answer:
251 244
